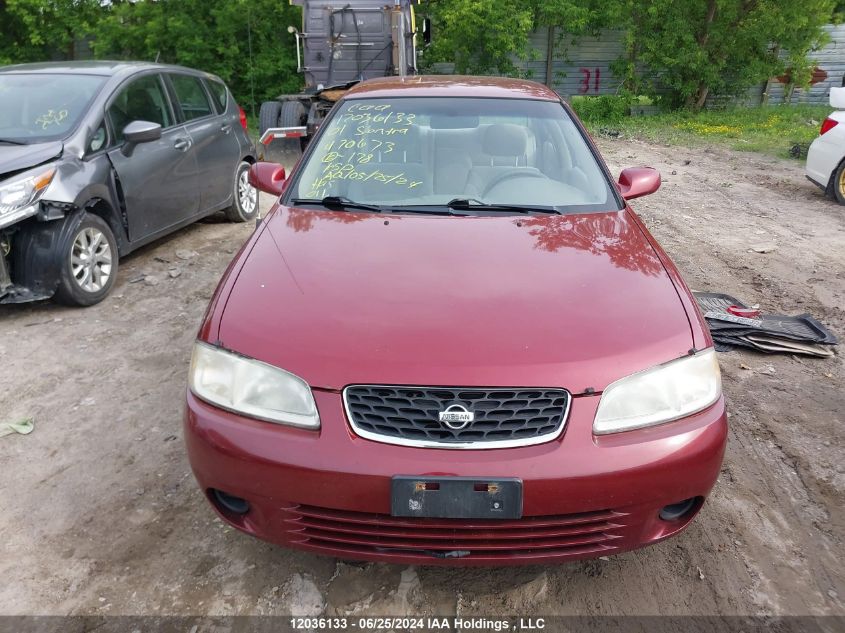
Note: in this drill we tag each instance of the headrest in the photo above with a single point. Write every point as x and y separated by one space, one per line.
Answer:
505 139
413 134
406 146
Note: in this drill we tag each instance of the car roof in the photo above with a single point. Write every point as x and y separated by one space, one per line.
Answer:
95 67
451 86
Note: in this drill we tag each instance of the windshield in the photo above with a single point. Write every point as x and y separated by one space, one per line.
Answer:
429 151
43 107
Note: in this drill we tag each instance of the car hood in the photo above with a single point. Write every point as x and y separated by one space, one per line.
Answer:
341 298
15 158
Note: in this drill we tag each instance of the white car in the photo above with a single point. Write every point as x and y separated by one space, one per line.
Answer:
826 156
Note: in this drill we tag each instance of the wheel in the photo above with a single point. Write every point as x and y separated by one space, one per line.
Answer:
88 263
839 183
245 204
293 114
268 115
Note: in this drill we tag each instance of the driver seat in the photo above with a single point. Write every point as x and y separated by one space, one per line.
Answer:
506 147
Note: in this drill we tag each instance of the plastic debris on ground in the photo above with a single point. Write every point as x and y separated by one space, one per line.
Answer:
23 427
734 324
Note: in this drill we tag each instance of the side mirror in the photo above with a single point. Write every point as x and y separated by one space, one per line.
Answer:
268 177
426 31
139 132
635 182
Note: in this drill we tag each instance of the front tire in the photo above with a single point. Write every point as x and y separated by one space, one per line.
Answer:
245 204
839 183
88 263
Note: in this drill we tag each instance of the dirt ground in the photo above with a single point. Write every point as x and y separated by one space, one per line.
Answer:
101 515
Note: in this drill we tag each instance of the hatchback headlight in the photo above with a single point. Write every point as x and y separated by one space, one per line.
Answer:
248 386
19 195
660 394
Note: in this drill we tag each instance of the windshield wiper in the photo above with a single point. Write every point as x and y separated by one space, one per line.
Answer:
11 142
339 203
472 204
427 210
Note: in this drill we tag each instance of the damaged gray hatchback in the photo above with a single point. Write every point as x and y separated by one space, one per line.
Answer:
99 158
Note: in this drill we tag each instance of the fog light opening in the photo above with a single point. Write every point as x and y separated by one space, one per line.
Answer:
680 510
229 503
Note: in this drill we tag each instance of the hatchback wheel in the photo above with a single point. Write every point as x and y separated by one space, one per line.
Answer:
245 204
88 263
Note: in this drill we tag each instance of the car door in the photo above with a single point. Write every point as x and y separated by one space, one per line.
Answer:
213 139
159 179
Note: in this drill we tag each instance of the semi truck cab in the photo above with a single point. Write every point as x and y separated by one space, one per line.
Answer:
339 44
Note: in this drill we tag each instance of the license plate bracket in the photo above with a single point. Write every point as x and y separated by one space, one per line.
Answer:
456 497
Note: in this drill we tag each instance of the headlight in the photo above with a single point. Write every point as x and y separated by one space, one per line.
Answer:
660 394
250 387
19 195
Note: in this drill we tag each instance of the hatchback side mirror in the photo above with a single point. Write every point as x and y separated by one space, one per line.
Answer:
139 132
268 177
635 182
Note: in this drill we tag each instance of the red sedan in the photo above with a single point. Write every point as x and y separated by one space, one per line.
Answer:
452 341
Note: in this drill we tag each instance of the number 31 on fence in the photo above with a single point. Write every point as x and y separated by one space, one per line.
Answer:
595 75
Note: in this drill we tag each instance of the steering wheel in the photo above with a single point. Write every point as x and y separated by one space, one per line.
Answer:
511 176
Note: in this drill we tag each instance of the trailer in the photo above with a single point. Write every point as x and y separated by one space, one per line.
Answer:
338 45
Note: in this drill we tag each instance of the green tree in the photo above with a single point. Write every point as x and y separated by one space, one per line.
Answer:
39 30
479 36
579 17
701 47
691 49
245 42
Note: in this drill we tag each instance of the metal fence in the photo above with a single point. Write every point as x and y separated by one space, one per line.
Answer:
582 67
830 73
575 66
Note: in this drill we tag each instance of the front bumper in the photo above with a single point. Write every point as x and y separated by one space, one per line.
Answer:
32 268
328 491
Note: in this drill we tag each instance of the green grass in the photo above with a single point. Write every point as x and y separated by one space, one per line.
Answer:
252 127
770 130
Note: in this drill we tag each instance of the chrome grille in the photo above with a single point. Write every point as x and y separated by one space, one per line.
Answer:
410 416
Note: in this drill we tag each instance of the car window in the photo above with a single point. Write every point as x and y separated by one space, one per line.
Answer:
431 150
142 100
219 93
41 107
190 96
